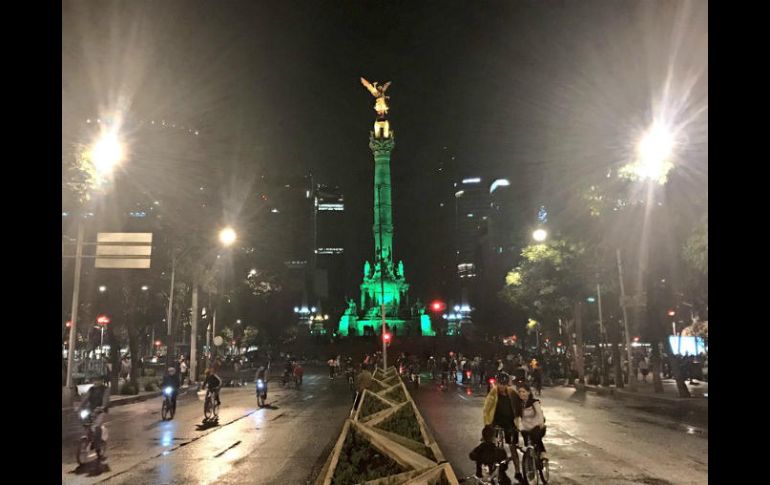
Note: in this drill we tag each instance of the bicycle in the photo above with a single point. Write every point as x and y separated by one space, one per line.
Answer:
87 449
533 469
490 475
261 393
168 409
210 406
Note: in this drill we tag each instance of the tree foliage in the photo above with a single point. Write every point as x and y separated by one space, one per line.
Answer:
549 279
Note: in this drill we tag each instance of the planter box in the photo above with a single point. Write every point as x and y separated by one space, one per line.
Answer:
388 431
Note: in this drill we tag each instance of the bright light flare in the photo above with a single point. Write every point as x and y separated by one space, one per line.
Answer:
655 151
540 235
654 154
107 152
227 236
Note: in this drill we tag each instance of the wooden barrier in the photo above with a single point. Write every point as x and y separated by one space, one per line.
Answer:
422 461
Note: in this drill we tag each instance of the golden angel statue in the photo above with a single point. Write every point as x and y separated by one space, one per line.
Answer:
381 126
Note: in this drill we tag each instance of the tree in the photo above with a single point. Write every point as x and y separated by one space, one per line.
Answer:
696 256
550 284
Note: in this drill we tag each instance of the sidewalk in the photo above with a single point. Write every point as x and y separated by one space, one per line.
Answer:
120 400
645 391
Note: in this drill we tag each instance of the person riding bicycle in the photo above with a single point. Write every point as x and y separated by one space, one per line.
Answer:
298 372
432 367
288 371
501 406
171 379
213 383
97 401
262 376
531 421
444 370
487 453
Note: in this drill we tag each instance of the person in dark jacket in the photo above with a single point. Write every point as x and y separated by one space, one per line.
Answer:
171 379
489 454
97 401
213 382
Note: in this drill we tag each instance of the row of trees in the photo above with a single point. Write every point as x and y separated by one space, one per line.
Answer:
664 245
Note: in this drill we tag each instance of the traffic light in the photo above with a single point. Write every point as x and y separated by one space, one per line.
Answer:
103 320
387 337
671 313
438 306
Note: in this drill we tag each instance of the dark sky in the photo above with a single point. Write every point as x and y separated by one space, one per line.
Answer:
543 92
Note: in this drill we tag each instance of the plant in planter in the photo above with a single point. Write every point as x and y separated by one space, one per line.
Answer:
360 462
404 423
371 405
375 386
396 395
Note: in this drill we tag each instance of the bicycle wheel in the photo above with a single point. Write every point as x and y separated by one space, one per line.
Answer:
207 410
164 410
545 472
83 450
529 468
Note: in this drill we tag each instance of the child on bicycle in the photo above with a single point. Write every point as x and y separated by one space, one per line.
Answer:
487 453
530 420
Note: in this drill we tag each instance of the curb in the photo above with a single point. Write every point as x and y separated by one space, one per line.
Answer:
628 395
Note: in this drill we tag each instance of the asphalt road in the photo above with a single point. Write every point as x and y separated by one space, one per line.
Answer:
284 443
590 439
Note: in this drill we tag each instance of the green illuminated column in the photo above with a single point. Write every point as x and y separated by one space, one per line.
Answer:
383 214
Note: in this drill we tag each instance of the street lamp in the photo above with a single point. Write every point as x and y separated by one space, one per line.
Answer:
654 152
227 236
106 152
145 287
102 289
102 321
540 235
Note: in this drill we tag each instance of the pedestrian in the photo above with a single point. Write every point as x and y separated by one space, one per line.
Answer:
644 367
183 369
330 363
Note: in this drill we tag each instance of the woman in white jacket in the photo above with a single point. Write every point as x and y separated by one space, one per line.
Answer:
531 421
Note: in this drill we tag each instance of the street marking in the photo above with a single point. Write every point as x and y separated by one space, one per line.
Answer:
227 449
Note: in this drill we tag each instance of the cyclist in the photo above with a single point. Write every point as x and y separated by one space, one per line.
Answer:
501 407
171 379
530 420
213 383
489 454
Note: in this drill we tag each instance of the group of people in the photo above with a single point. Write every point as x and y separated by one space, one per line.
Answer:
511 406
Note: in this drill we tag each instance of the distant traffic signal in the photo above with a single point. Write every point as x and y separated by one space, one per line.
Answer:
438 306
387 337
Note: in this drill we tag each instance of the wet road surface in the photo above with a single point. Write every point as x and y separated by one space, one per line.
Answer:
590 439
284 443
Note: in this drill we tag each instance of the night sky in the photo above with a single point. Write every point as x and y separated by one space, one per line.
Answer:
544 93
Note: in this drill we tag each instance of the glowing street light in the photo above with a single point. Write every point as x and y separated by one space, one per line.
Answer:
540 235
102 289
107 152
227 236
655 150
654 154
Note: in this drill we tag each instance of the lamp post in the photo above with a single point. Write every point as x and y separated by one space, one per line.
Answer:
105 154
